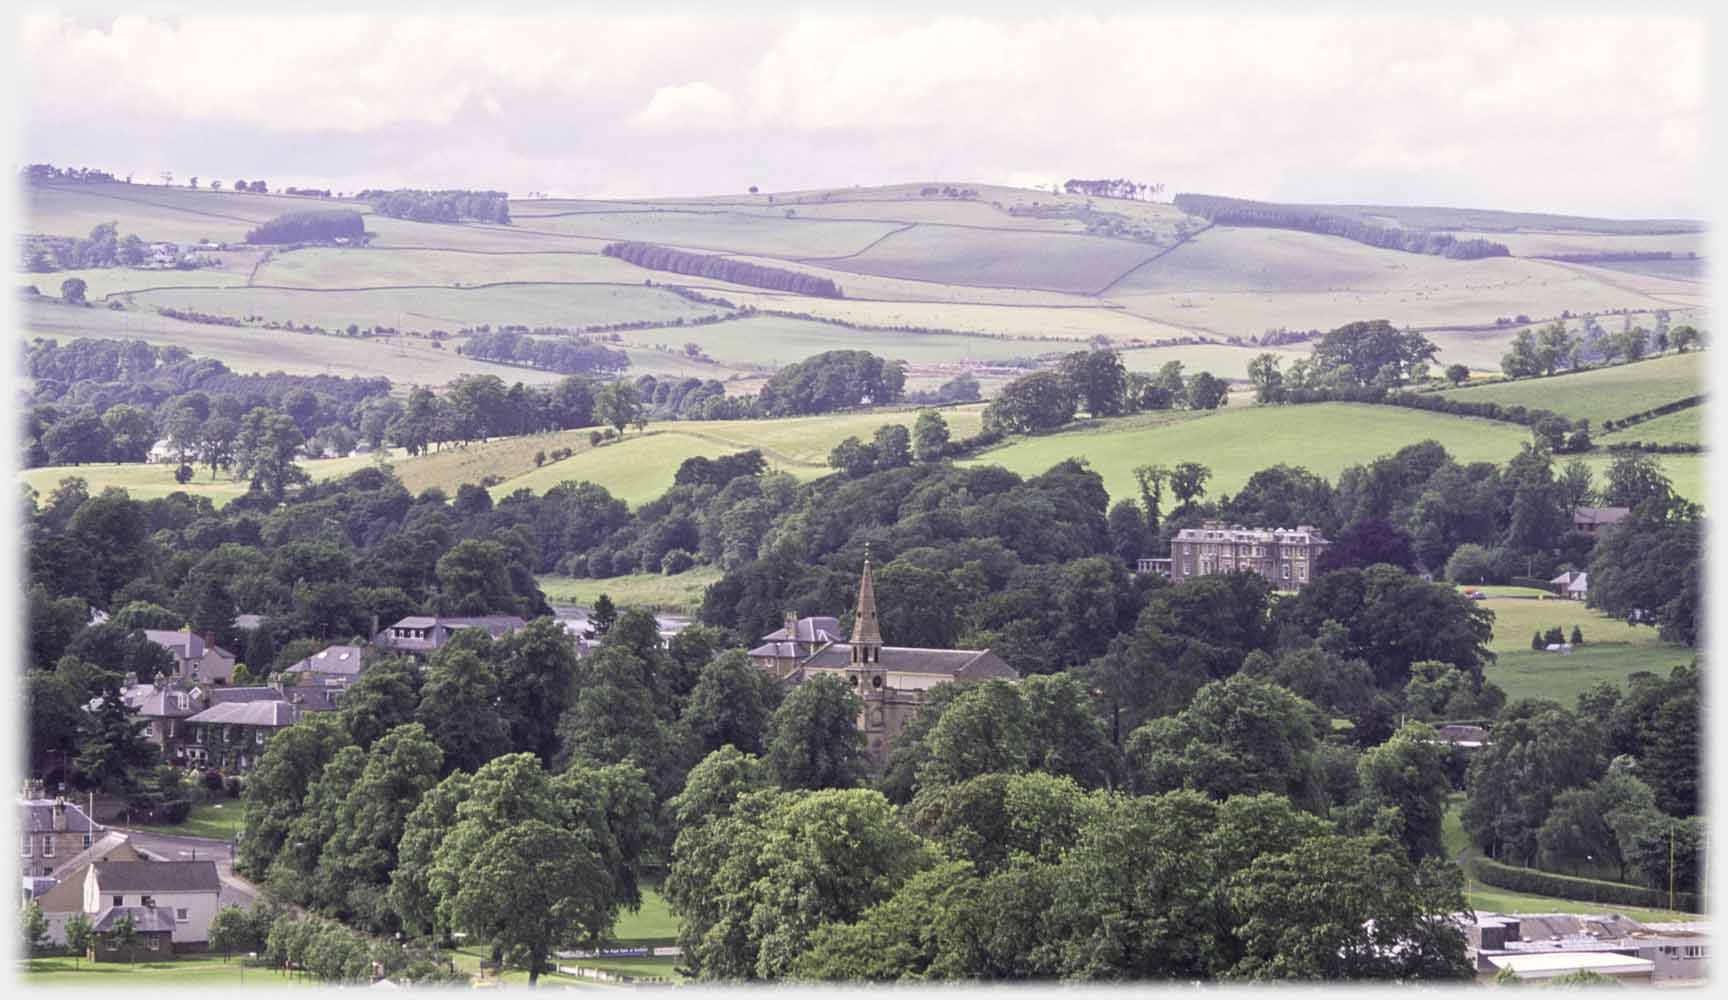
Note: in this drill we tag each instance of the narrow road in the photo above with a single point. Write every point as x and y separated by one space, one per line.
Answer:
236 891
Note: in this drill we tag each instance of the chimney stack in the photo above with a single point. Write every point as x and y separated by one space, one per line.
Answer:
792 627
59 815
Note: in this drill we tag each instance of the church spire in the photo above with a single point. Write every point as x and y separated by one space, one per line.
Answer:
866 633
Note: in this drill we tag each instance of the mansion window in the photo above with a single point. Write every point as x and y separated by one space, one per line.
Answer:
47 846
28 844
1286 571
180 914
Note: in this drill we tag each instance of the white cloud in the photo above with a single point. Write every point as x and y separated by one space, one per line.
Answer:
1584 113
689 105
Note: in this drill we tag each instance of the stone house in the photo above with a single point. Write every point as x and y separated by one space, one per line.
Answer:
197 658
422 635
231 733
1592 520
50 831
1284 556
332 665
179 897
63 894
892 681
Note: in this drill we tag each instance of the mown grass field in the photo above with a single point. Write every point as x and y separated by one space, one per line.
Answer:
635 470
195 971
680 594
1600 394
1612 649
718 230
1234 443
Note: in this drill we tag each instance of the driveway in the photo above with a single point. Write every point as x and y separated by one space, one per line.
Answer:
236 891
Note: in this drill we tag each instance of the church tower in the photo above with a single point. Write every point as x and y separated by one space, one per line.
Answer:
866 633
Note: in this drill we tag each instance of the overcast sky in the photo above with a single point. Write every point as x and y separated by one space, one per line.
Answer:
1595 115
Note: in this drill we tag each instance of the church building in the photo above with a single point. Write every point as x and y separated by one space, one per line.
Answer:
891 680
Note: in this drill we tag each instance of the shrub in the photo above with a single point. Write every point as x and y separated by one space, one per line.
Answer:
676 561
539 459
1541 883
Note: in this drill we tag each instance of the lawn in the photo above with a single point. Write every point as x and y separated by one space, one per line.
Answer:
636 470
1600 394
212 820
182 971
1529 674
680 594
653 923
1324 438
1612 649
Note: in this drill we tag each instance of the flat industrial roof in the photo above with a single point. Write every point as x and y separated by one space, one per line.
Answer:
1544 966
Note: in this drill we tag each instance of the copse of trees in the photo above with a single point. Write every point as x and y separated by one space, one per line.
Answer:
1243 212
830 381
310 227
721 268
571 355
440 206
1116 188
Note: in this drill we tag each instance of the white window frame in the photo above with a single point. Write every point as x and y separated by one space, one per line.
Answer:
180 916
29 845
47 845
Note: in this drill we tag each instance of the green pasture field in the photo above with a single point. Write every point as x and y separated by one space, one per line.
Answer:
635 470
808 440
1223 360
435 308
366 267
179 972
1691 269
105 281
405 361
1612 649
144 481
680 594
1545 244
1528 674
717 230
776 341
1008 258
1050 324
1234 259
397 234
1235 443
671 361
1479 292
153 212
875 287
1600 394
1684 427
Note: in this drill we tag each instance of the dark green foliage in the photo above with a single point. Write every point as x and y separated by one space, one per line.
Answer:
310 227
814 741
832 380
569 354
1645 569
721 268
1040 401
1536 882
1315 219
440 206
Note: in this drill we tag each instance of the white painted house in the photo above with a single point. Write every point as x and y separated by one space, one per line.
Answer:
186 891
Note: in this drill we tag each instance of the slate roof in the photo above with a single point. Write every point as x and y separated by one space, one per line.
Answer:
39 817
224 695
187 645
440 629
36 885
817 629
959 664
1599 516
103 846
162 703
157 876
145 919
342 660
248 713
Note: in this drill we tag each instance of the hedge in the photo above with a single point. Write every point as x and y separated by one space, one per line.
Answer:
1541 883
1532 581
1659 411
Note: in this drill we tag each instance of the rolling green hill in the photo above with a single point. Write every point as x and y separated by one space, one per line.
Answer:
1036 269
1601 393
